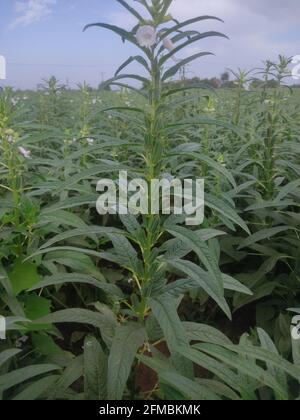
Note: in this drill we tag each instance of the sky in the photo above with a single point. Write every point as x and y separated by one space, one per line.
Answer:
40 38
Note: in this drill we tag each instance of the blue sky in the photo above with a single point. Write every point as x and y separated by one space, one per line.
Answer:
44 37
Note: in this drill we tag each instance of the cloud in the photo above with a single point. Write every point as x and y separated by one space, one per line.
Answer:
276 9
32 11
258 30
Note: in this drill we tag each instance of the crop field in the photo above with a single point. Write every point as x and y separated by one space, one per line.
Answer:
103 305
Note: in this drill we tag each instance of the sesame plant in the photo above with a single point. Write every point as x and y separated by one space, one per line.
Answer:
112 306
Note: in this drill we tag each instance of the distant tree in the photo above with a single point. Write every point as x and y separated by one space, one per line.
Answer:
225 77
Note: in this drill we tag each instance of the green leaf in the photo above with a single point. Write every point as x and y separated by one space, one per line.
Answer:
94 370
131 59
186 23
227 375
205 333
125 252
165 311
61 279
8 354
71 374
267 344
245 366
203 280
131 10
173 70
288 189
77 261
263 234
83 316
187 43
19 376
221 207
61 217
35 308
232 284
127 340
268 357
97 230
37 389
210 162
204 254
23 276
128 36
190 389
176 248
44 344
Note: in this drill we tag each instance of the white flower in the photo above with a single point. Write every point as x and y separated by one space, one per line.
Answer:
90 141
146 36
24 152
10 139
94 101
168 44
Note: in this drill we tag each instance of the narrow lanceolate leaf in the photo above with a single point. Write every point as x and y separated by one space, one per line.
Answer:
182 286
226 374
205 333
244 366
127 340
104 323
8 354
164 309
94 370
268 357
61 279
232 284
71 374
187 43
131 59
204 253
211 163
37 389
262 235
267 344
19 376
288 189
186 23
223 208
202 279
131 10
173 70
128 36
91 230
176 248
125 252
191 390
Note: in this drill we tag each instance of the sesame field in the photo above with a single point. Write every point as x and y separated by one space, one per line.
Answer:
107 301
